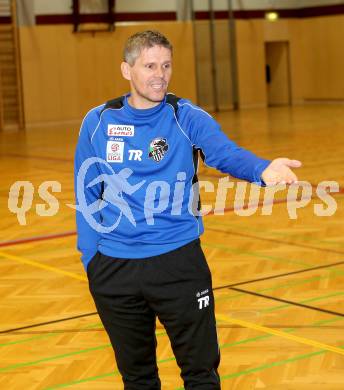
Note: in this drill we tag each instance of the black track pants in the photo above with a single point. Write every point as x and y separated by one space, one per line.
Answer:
176 287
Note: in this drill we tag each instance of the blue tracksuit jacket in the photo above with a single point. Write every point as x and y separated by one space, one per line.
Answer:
134 171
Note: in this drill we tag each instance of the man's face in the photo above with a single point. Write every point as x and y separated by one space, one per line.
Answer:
149 76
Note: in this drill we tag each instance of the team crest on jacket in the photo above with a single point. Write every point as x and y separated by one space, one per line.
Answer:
158 148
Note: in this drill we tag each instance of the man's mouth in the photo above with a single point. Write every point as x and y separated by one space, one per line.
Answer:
158 86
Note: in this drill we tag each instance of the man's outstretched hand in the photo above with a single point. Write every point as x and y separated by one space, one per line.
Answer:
279 172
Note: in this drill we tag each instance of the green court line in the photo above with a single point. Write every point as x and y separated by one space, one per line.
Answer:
108 345
98 324
268 365
304 236
244 372
45 336
276 287
32 363
40 337
289 330
56 357
93 378
268 310
219 299
254 254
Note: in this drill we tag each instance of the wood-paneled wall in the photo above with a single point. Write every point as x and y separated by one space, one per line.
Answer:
251 63
66 74
324 59
316 58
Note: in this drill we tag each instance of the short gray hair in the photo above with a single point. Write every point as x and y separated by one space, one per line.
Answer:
143 40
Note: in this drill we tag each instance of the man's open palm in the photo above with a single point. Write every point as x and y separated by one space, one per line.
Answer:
279 172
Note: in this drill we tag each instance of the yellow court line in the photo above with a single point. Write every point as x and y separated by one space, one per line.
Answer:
279 333
245 324
56 270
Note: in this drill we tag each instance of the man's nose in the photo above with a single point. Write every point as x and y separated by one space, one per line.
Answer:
160 72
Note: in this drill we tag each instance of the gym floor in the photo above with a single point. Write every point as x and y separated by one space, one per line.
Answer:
277 280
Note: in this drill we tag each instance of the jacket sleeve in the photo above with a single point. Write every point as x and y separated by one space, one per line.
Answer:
88 237
219 151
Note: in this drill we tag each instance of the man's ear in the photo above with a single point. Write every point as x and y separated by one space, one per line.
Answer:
125 69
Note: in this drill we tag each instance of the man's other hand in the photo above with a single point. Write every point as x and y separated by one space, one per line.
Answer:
279 172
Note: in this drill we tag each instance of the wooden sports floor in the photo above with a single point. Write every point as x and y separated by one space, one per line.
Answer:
278 281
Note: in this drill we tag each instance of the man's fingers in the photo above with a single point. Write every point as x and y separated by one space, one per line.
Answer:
286 161
289 177
285 177
293 163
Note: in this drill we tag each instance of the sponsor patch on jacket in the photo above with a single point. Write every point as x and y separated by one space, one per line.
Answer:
114 151
121 130
157 149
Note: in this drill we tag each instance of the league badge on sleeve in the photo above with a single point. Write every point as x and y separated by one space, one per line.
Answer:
157 149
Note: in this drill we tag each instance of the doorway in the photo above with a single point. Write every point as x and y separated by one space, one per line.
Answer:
277 73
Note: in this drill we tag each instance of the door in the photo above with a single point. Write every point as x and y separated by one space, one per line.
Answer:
277 73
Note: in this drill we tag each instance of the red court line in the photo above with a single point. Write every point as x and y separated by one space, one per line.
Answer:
245 206
72 233
315 186
60 159
37 238
341 190
261 203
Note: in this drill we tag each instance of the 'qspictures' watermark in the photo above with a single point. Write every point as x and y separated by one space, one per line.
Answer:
162 197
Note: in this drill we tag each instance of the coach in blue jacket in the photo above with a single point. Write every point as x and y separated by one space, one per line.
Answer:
138 217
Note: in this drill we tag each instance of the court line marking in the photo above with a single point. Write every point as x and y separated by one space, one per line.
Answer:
79 277
25 364
48 322
56 270
45 158
60 356
55 357
314 186
83 278
253 326
63 234
37 238
66 273
217 299
224 318
270 309
240 251
290 302
316 324
89 379
279 275
305 236
276 332
224 377
329 250
266 366
219 325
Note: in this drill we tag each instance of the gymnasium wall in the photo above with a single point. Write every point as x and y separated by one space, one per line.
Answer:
66 74
64 6
316 59
323 60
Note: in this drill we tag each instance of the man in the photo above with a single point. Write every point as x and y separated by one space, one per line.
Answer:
138 217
